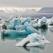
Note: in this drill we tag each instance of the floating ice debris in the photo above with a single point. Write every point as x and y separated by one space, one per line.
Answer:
33 39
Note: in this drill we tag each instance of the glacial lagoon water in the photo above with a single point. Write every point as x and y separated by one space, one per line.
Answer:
8 46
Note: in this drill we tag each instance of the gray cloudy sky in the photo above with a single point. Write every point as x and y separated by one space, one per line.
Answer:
26 3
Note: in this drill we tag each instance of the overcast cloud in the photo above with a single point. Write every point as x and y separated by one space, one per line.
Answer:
26 3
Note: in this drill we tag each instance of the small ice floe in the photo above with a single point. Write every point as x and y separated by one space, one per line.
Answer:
33 39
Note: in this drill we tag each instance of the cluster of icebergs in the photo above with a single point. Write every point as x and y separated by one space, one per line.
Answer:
28 27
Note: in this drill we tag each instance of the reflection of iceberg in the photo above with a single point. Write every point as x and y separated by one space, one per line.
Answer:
30 49
33 39
35 50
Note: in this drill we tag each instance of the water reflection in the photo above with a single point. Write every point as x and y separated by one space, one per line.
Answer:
32 49
51 28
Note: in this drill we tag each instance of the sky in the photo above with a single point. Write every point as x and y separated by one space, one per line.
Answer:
26 3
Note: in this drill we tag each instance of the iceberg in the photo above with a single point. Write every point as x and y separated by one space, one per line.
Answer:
33 39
